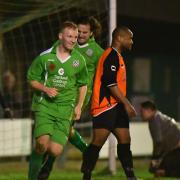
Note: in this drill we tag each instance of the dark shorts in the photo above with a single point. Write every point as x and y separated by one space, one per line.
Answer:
171 163
116 117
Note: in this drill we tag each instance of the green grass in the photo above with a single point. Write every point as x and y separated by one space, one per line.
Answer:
70 171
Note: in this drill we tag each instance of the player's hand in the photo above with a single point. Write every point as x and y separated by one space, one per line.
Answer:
8 113
154 164
51 92
130 110
77 113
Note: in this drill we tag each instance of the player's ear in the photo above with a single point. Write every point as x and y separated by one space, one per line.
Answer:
60 35
91 34
119 38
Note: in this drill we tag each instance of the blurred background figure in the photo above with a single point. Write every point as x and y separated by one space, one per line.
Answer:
11 94
7 113
165 133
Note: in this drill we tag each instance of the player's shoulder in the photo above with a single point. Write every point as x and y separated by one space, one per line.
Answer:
46 52
94 45
110 56
43 56
77 54
110 53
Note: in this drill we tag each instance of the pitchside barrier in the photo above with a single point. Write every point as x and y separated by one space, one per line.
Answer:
16 138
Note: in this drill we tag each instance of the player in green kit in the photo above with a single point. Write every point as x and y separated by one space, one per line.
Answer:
59 79
88 29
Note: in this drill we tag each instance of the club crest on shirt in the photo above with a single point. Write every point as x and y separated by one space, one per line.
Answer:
61 71
75 63
89 52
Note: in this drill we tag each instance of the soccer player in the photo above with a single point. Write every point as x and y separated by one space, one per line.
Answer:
110 108
88 29
165 133
59 78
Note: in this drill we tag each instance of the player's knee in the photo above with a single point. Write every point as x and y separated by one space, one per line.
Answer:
126 139
98 142
123 138
55 149
56 152
41 147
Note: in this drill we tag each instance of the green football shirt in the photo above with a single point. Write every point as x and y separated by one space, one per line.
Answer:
91 51
67 76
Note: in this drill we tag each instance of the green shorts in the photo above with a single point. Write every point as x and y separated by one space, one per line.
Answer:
57 127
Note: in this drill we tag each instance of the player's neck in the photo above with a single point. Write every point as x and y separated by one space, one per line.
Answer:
62 53
117 49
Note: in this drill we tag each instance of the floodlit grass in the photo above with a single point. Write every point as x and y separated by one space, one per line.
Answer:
70 171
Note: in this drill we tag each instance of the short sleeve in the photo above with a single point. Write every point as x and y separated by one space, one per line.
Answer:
35 70
110 69
99 52
82 76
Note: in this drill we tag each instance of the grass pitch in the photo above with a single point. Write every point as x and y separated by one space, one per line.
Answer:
71 171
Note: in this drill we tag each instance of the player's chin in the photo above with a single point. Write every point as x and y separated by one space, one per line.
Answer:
81 41
70 48
130 48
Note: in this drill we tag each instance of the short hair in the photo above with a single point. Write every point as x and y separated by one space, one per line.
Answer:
95 25
148 105
68 24
120 30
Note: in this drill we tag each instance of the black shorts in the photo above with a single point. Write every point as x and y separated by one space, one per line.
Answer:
171 163
116 117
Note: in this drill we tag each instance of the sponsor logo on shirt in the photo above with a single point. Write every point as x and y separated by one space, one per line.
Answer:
61 71
113 68
60 81
89 52
75 63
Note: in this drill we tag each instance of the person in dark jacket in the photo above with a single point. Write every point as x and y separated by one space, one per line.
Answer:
6 109
165 133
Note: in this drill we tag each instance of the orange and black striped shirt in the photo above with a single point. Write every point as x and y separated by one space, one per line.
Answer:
110 71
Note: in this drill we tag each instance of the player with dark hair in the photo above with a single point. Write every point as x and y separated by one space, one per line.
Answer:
165 133
59 78
110 108
88 29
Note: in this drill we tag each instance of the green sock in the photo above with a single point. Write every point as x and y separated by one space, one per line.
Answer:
35 165
49 163
77 141
46 168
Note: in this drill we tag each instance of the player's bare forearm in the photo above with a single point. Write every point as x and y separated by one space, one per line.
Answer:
51 92
77 110
38 86
82 94
117 94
